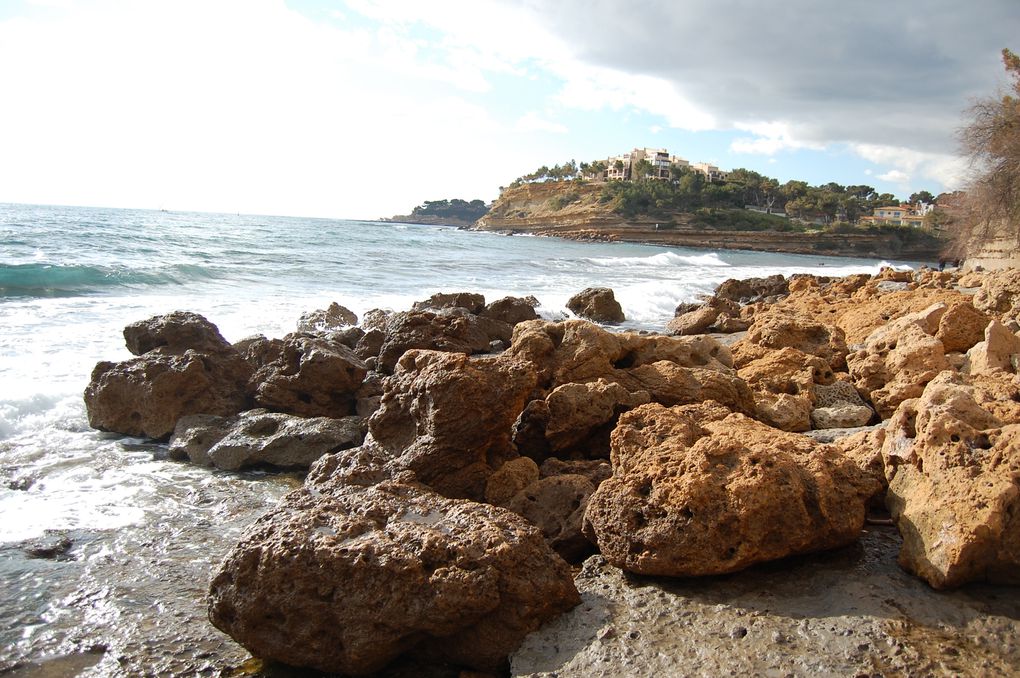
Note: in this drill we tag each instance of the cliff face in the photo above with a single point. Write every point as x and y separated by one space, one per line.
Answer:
575 211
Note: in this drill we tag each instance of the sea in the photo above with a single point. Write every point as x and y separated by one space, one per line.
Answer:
106 546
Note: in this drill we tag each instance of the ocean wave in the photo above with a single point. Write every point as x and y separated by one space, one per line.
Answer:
661 259
54 280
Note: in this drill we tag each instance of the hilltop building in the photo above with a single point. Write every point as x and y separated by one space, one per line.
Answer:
624 166
899 215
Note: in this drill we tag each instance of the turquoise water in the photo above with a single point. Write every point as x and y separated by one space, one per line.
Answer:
144 532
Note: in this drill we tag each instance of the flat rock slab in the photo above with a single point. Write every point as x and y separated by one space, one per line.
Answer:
848 612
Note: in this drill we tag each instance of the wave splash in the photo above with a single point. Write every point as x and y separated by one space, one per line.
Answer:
659 260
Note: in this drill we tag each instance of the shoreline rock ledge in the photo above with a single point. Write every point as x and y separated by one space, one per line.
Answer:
497 448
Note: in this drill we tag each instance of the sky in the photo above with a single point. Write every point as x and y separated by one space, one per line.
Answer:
366 108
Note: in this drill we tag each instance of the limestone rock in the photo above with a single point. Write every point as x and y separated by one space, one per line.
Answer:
344 579
779 329
449 417
694 322
953 469
577 411
579 351
698 496
999 293
996 353
185 367
896 362
310 376
753 289
261 437
669 384
509 479
595 470
961 327
556 506
512 310
598 304
469 301
783 411
838 405
454 330
334 317
175 332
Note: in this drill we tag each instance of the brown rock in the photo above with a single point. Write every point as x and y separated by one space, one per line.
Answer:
310 376
961 327
334 317
595 470
695 322
690 499
260 437
512 310
838 405
896 363
469 301
999 293
176 332
783 411
449 418
997 353
753 289
145 396
576 351
952 469
778 330
556 506
577 412
455 330
345 579
509 479
670 384
598 304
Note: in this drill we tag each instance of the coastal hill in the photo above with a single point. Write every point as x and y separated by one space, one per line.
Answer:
453 212
586 210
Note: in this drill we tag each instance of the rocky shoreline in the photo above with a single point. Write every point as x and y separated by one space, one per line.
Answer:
491 492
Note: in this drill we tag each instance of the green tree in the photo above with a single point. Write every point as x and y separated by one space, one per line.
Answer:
921 197
642 169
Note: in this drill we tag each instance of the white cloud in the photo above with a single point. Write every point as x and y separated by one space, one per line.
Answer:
908 165
532 122
769 138
895 177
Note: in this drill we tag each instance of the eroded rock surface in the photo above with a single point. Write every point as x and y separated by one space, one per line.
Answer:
184 367
261 437
345 579
598 304
697 492
953 468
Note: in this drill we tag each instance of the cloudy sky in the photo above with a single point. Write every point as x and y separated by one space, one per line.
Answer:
365 108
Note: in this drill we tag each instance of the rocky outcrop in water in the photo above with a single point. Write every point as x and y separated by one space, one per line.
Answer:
183 366
490 465
598 304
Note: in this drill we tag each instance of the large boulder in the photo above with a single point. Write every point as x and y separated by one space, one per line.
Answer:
953 468
753 290
800 331
898 359
331 318
454 330
696 491
1000 293
308 375
469 301
961 326
258 437
838 405
997 353
345 579
184 367
449 417
693 322
576 417
177 331
598 304
556 505
511 310
577 351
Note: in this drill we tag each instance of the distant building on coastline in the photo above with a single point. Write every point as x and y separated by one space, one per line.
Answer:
899 215
625 166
